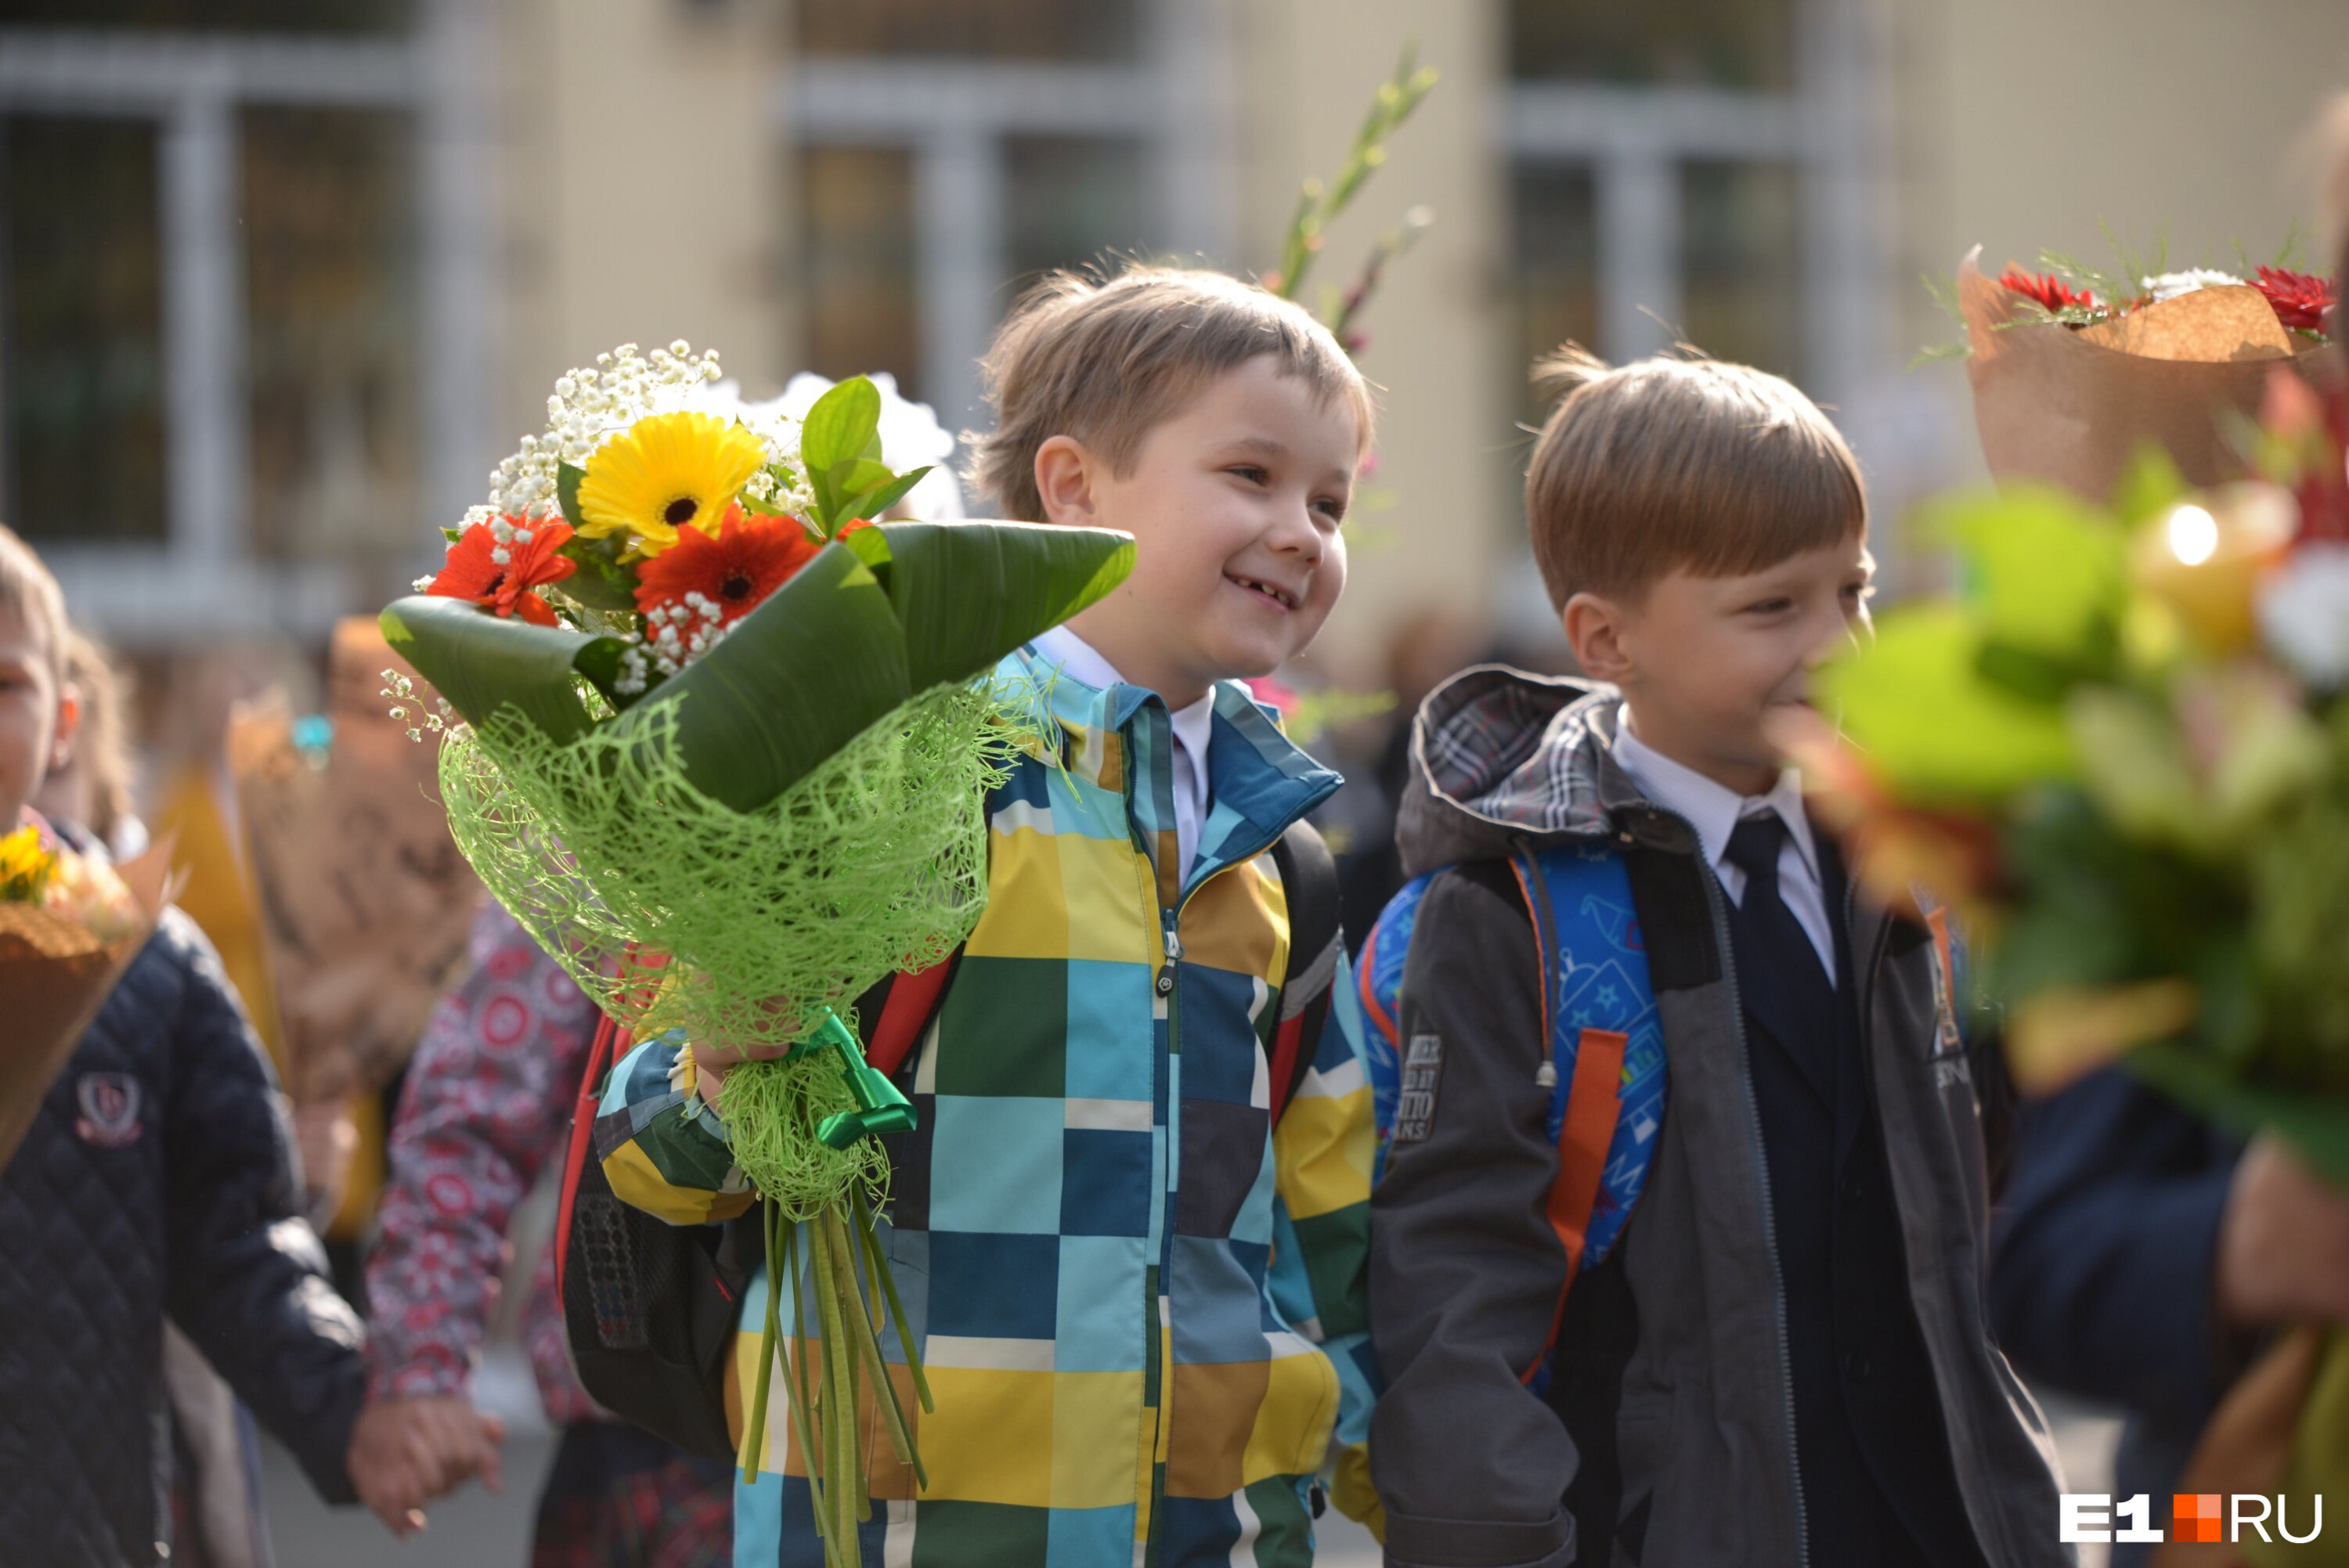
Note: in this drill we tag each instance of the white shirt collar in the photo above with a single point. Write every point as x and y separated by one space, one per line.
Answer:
1711 808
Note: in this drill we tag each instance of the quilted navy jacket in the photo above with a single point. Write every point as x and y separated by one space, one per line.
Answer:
157 1177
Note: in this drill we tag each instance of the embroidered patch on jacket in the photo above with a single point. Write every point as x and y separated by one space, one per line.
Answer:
109 1111
1423 1065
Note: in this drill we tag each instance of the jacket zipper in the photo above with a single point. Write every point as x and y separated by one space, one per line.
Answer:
1716 907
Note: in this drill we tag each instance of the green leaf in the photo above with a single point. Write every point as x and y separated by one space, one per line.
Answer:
1916 702
873 503
482 663
452 534
968 594
567 478
839 425
2044 572
601 582
875 618
850 479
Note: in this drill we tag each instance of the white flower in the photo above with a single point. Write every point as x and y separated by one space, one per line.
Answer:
2170 286
421 584
2304 612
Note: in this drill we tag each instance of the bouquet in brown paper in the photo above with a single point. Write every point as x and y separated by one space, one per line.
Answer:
69 926
366 901
2073 371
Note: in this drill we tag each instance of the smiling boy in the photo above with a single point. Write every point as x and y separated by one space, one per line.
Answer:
1137 1285
1785 1360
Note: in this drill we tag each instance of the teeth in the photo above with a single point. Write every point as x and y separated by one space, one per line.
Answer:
1268 591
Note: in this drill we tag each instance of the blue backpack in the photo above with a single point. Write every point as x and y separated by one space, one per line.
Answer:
1606 1063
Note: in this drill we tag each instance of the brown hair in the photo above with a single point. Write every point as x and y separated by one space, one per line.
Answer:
1106 361
1681 463
101 744
27 589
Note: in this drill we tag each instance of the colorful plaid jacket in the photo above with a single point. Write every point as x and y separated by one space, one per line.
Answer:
1140 1307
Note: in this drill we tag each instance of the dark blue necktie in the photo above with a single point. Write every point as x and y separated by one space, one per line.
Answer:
1755 847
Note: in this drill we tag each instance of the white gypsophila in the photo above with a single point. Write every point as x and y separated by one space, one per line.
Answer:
2305 615
588 405
910 436
2170 286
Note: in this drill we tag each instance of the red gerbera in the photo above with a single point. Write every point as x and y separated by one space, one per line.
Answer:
500 575
2301 299
750 558
2051 292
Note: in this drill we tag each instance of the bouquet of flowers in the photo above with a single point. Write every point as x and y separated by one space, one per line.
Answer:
69 926
720 740
2124 749
2073 368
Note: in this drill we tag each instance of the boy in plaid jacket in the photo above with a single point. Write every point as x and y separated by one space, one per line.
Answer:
1140 1301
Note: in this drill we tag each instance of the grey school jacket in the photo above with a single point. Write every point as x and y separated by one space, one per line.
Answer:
1679 1335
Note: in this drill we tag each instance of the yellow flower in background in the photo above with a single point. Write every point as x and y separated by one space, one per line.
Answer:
25 866
664 473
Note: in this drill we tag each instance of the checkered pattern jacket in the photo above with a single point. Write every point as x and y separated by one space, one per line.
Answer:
1139 1304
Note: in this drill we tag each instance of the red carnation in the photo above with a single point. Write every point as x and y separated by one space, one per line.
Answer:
2052 293
750 558
2301 299
504 586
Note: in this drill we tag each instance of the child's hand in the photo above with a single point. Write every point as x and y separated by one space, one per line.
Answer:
2283 1245
405 1453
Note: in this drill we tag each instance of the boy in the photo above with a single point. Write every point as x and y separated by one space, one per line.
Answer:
156 1179
1140 1300
1786 1359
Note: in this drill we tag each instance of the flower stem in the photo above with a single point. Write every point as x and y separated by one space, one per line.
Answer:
893 1414
754 1431
869 1229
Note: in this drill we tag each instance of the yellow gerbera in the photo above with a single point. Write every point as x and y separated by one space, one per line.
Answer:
665 473
25 866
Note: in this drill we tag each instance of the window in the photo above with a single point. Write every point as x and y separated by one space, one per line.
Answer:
1741 244
329 17
245 304
858 236
327 201
82 371
1556 297
1739 44
953 149
972 29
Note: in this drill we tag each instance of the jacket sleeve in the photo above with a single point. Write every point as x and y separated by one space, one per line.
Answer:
2103 1255
486 1104
248 1277
1321 1206
662 1148
1465 1272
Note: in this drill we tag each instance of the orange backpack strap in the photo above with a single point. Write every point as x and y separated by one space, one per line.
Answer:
1592 1105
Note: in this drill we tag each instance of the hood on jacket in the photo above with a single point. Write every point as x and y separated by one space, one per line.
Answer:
1498 755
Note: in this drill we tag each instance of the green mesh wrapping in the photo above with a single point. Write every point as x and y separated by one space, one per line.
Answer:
873 862
771 1110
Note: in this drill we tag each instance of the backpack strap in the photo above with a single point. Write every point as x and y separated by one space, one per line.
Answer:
1309 882
610 1042
901 1007
1587 1104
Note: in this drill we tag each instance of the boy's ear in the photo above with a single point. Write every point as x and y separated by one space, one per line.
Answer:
61 738
1593 630
1064 483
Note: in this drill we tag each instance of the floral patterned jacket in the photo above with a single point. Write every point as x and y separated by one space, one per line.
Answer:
486 1107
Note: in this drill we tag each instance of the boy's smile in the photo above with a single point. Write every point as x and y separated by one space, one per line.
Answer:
1234 504
1703 661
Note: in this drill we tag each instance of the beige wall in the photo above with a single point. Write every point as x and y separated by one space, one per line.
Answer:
643 188
2022 124
1308 68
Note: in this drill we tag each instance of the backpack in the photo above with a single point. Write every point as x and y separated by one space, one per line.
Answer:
649 1308
1605 1063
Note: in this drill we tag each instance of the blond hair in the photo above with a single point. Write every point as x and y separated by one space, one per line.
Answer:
1679 463
29 591
102 743
1107 361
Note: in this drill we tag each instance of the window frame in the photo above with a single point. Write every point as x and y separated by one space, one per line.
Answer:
205 582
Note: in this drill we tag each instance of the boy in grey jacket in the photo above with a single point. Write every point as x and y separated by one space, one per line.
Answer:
1785 1359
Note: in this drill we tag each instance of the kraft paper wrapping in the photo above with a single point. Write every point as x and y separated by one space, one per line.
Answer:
55 975
2053 403
366 901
